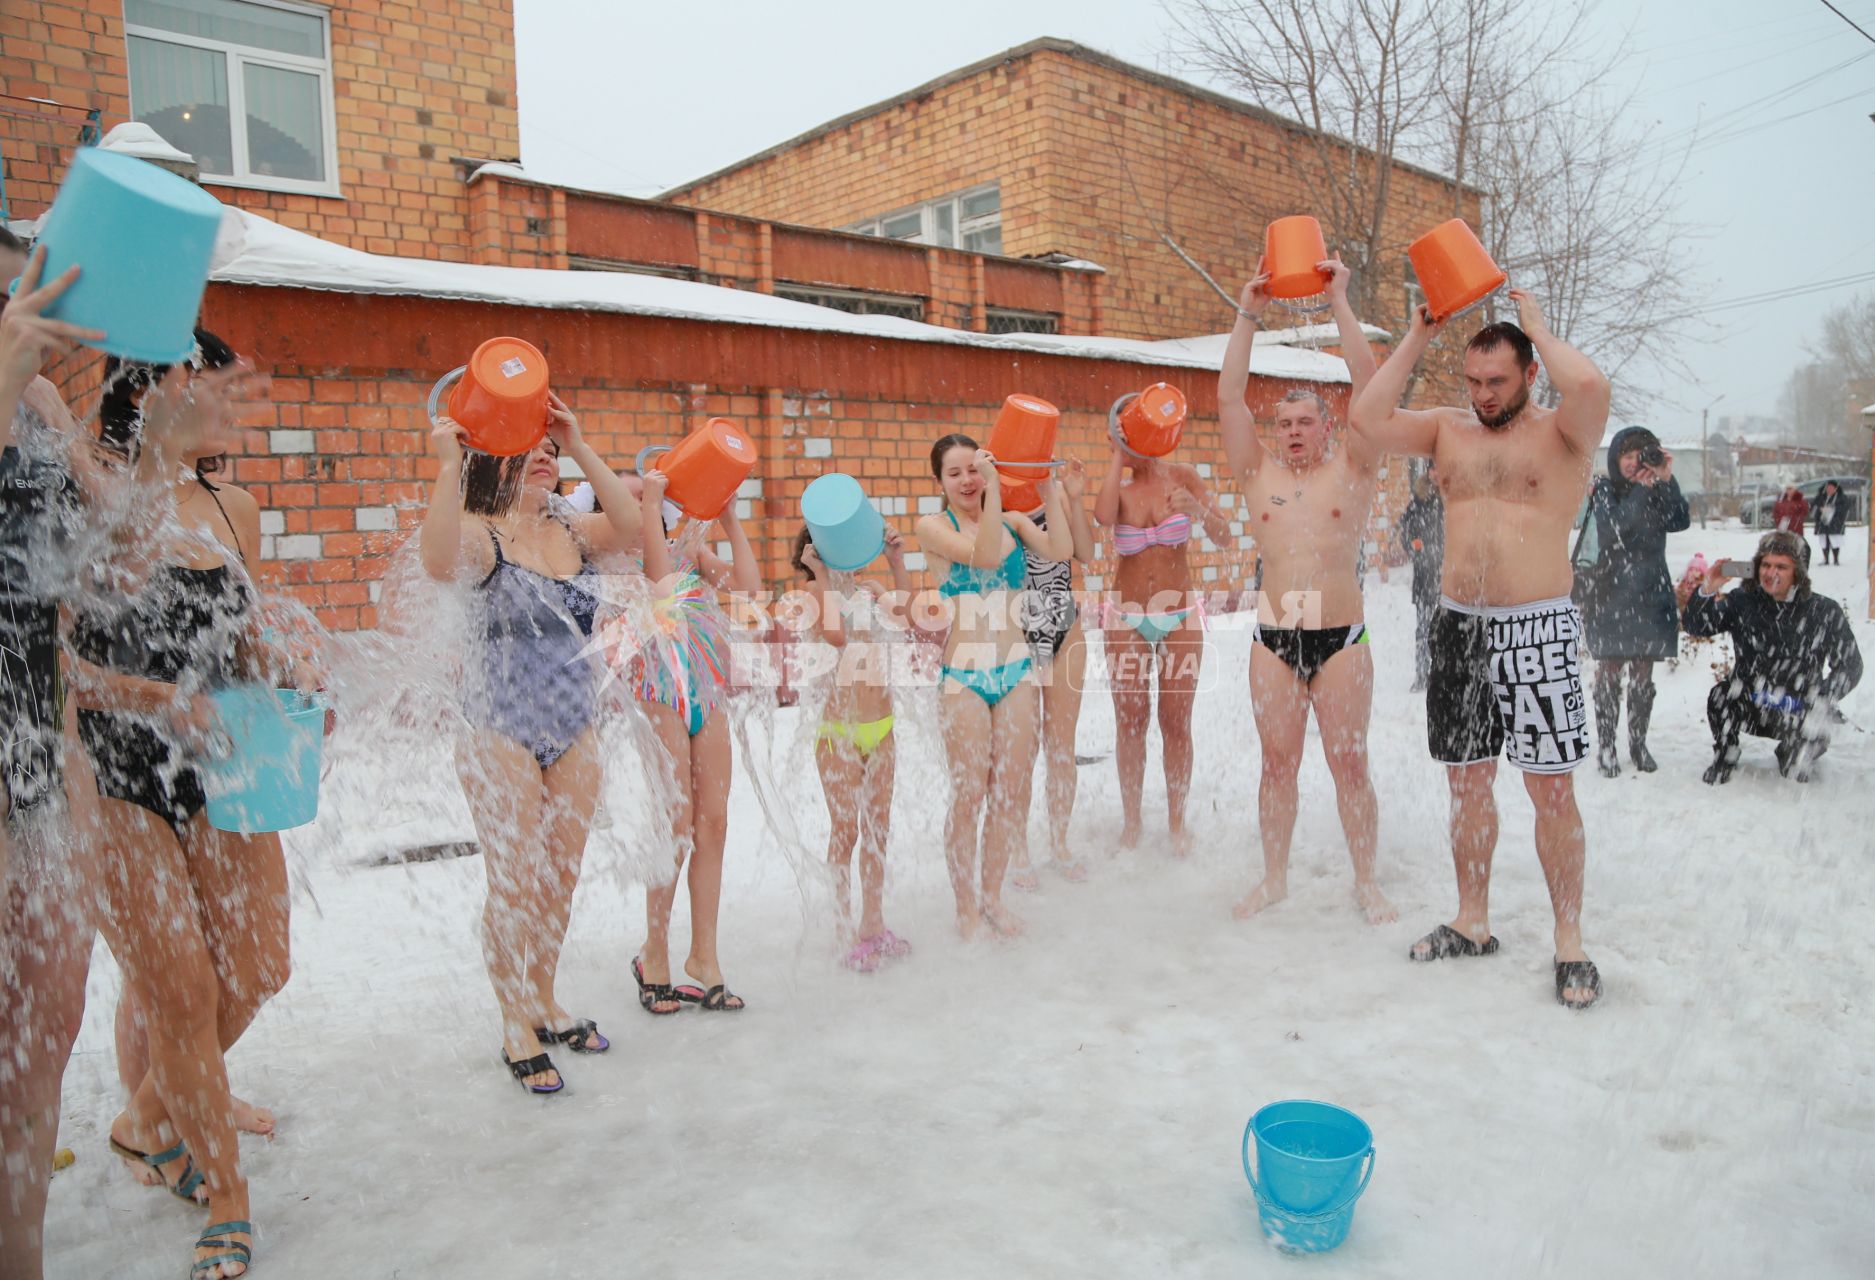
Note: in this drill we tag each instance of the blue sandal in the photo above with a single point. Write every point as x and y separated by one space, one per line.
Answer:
184 1187
212 1239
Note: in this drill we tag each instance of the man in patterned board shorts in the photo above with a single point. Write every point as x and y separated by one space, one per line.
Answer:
1506 664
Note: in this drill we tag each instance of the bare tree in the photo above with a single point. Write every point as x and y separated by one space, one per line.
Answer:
1526 113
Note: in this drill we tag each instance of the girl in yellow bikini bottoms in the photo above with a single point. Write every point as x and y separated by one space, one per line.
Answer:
853 746
988 705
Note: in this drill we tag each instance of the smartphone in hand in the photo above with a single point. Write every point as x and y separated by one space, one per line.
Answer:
1735 568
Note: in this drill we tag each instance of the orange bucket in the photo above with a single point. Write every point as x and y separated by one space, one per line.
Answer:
705 468
1291 248
1453 268
1149 423
1024 433
499 397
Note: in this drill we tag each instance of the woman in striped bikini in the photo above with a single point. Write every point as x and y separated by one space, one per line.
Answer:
1156 625
987 700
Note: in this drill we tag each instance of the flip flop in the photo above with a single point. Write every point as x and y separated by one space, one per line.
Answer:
654 993
1025 879
582 1037
1445 942
215 1238
717 998
534 1066
1578 974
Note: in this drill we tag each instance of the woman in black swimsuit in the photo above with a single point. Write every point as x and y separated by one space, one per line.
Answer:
196 917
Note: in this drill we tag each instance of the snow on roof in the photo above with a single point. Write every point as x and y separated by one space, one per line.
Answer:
277 256
1868 408
502 169
134 139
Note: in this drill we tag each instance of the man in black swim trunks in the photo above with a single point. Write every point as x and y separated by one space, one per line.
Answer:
1506 666
1308 500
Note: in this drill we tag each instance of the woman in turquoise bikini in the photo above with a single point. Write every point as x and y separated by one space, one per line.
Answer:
683 672
988 703
1156 625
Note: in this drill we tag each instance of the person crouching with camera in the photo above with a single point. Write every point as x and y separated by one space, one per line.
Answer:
1795 657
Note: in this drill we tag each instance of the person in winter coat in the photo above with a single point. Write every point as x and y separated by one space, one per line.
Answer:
1629 614
1422 537
1790 511
1831 513
1796 657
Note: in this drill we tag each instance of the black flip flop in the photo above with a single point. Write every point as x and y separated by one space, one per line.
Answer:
187 1182
533 1066
1445 942
582 1037
717 998
654 993
1578 974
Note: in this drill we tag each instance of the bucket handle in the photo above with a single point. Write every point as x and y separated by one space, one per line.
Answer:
436 392
1319 1216
645 454
1303 307
1113 425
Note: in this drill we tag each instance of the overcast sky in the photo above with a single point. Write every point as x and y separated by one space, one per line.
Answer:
636 97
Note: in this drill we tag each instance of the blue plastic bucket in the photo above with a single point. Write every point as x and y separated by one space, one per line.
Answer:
1315 1159
269 779
848 531
144 239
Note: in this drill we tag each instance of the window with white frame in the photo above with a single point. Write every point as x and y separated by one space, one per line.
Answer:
971 220
245 86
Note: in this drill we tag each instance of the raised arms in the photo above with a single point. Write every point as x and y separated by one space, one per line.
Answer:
1242 450
1355 351
1582 415
1375 413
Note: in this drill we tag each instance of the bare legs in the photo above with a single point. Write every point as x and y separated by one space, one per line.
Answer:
1178 660
532 825
859 805
1342 698
1062 681
992 761
1560 847
699 805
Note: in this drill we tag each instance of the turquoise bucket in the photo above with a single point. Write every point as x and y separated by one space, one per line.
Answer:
269 779
848 531
144 239
1315 1159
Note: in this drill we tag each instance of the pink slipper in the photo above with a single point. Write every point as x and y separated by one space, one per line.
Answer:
893 945
866 956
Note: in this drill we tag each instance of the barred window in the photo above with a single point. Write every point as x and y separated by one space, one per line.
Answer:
1000 320
855 302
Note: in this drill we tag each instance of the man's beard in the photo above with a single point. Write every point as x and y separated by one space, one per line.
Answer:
1505 416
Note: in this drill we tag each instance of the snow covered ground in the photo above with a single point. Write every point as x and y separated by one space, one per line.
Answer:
1071 1104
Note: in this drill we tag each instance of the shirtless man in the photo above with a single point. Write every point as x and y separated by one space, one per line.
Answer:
1308 504
1506 669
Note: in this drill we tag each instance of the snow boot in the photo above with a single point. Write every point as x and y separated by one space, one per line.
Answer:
1640 714
1607 724
1724 762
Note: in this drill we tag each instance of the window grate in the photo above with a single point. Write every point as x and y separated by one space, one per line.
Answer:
1000 320
854 302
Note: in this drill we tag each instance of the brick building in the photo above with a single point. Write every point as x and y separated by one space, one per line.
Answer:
836 348
1055 149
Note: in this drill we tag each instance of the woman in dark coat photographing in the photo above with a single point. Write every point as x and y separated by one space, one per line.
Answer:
1629 612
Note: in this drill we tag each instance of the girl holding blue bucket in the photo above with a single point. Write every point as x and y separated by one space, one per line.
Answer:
683 682
529 760
196 917
988 702
853 745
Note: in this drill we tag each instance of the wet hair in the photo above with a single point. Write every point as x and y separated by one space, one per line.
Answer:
944 445
796 557
120 415
1503 333
490 484
1297 394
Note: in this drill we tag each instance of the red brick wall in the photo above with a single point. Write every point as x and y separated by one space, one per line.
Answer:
414 85
341 460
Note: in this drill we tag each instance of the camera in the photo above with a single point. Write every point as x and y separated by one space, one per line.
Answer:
1653 455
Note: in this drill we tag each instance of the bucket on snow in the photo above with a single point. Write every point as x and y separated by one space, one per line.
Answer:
1315 1159
499 398
1023 440
1148 424
144 239
1453 268
848 531
705 468
269 779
